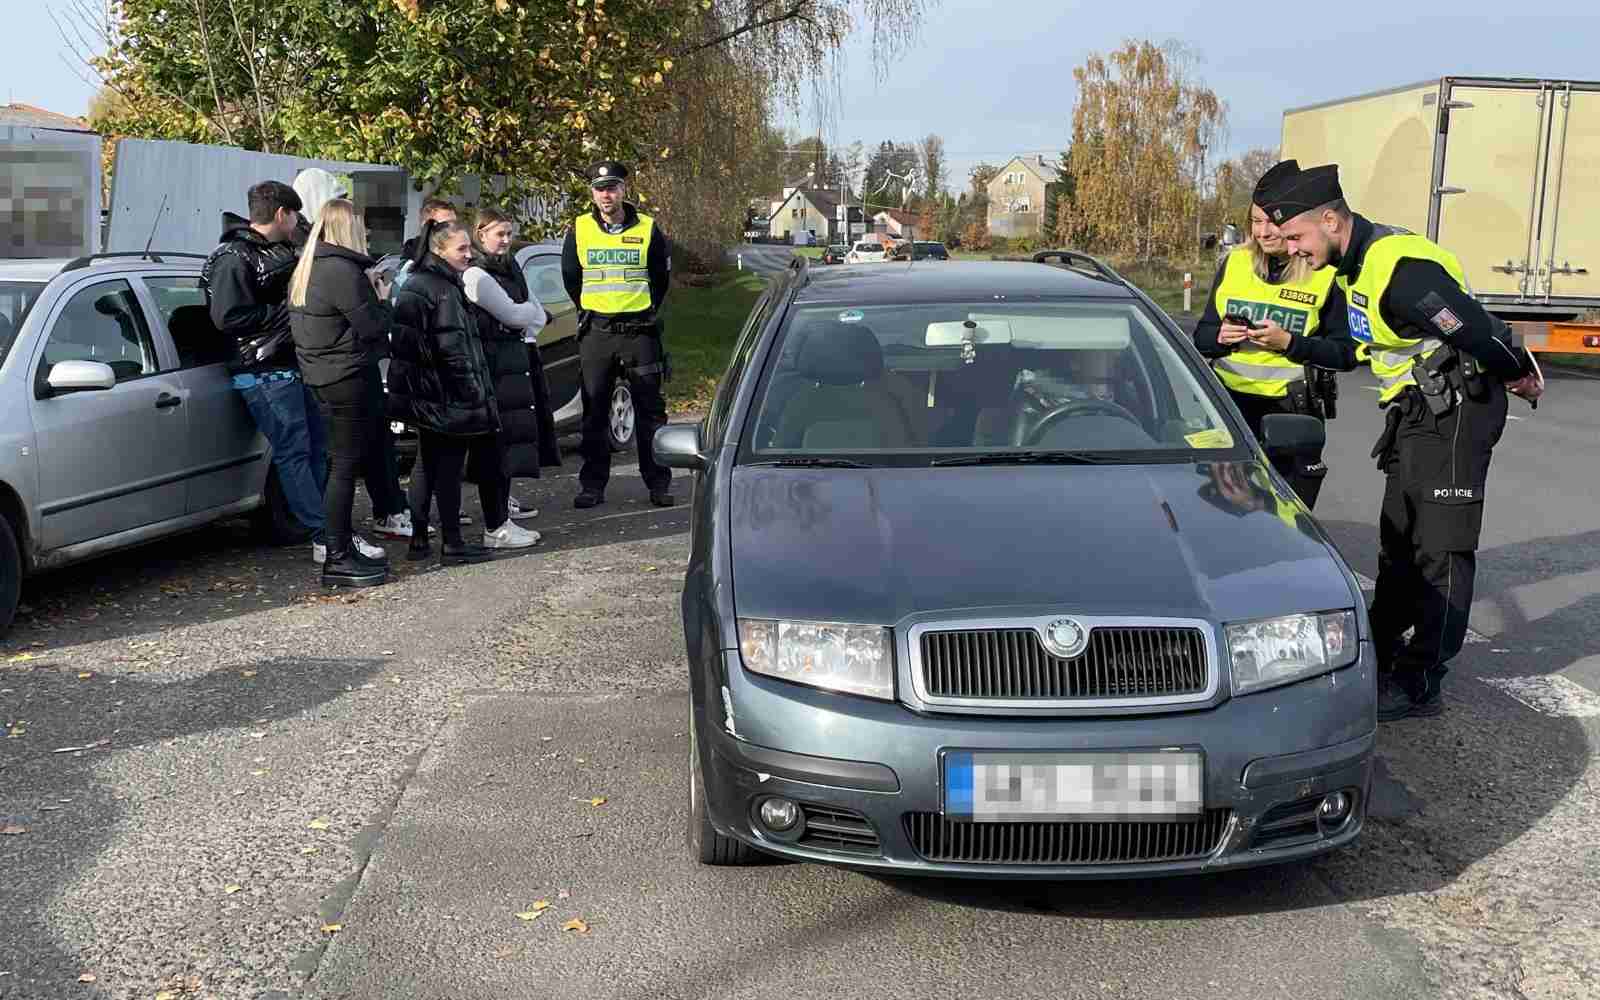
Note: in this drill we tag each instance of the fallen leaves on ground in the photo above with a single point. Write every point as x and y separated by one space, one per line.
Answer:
308 850
22 658
332 928
317 824
598 800
12 830
87 977
85 675
229 890
576 924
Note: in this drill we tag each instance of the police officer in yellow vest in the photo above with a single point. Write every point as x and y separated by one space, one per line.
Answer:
616 266
1299 329
1444 367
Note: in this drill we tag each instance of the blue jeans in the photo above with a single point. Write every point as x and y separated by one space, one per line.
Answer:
285 411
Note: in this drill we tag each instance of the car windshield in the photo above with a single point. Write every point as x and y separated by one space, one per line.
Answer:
16 298
908 384
868 247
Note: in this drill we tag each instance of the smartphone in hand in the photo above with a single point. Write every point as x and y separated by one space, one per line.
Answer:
1239 319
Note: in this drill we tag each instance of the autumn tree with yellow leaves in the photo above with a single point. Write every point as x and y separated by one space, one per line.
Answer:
1140 130
527 90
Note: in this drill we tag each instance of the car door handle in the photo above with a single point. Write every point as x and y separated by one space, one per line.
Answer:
167 399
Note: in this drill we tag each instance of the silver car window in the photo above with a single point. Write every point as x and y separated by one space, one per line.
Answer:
103 323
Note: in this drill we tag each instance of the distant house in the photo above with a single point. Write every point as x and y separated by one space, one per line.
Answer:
812 213
28 116
894 222
1017 196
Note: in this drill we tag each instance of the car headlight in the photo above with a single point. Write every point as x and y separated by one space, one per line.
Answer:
1278 651
853 659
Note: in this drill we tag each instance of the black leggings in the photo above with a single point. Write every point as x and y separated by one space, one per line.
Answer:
353 413
441 460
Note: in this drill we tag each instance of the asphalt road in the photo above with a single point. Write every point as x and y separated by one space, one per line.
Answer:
298 798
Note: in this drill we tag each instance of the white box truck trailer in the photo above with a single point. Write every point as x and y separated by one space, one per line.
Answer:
1504 172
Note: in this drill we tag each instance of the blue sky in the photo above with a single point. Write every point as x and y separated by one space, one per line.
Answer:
994 79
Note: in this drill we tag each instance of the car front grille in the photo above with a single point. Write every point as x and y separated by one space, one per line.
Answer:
829 828
936 838
1012 664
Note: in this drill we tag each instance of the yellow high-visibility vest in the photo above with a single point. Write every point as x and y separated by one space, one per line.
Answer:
1392 355
616 278
1295 306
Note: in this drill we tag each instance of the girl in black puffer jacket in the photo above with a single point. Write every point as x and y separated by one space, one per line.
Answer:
341 326
509 320
440 382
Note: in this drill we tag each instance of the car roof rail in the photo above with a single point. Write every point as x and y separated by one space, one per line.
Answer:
801 265
153 256
1079 261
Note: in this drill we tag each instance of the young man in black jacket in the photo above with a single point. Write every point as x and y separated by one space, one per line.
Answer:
246 281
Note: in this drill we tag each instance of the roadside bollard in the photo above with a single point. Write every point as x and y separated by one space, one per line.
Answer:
741 262
1188 286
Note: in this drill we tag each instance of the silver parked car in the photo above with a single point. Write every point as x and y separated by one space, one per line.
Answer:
118 420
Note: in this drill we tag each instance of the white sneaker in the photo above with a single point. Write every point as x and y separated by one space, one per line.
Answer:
509 536
319 551
394 526
519 512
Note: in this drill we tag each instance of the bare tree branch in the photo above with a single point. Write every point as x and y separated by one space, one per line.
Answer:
211 71
248 52
794 13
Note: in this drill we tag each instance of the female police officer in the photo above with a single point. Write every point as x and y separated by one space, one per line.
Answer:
1297 323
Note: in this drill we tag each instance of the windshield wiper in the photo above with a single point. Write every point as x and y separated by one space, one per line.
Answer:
1027 458
809 462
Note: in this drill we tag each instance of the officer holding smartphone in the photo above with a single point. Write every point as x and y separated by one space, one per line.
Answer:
1275 331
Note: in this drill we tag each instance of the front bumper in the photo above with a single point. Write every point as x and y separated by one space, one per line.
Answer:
1269 760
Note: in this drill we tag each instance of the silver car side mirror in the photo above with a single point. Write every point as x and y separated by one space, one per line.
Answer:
677 446
79 376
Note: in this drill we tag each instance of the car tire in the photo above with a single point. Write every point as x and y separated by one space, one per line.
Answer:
707 845
10 574
621 419
273 521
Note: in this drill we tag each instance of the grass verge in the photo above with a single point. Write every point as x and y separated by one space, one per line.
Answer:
702 322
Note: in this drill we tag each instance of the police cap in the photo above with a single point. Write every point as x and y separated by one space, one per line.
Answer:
1275 176
607 174
1306 190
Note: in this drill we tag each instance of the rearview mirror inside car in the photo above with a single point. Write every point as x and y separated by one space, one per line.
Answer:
79 376
974 331
677 446
1292 434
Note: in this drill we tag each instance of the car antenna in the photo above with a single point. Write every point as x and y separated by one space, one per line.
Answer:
151 241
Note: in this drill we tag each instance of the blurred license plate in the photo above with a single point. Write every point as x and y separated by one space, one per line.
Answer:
1006 787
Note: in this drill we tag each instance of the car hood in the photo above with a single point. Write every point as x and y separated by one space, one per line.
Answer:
874 546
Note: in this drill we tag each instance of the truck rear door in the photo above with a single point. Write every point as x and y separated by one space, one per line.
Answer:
1569 238
1495 136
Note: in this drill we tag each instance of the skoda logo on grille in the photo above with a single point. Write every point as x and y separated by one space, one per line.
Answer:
1065 638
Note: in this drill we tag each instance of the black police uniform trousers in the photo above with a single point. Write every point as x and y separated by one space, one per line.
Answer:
1435 472
632 352
1305 472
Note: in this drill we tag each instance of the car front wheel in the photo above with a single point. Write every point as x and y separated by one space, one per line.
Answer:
707 845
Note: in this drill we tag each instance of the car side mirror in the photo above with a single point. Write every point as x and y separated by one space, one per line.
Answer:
677 446
79 376
1292 434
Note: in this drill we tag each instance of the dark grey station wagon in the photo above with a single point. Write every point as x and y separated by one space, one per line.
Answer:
989 578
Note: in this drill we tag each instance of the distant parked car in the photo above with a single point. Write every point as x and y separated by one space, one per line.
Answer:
929 250
867 252
835 253
118 413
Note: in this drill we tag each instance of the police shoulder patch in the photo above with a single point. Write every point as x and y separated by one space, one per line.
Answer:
1358 299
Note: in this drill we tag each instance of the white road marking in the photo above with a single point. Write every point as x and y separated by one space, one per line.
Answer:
1369 584
1551 694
